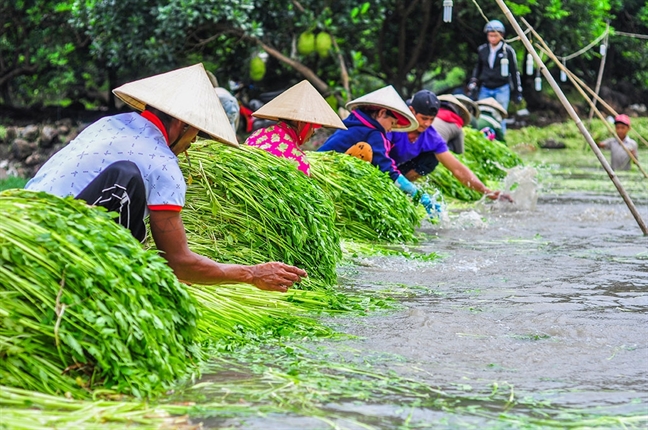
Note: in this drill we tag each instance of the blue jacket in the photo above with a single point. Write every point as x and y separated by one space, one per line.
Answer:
363 128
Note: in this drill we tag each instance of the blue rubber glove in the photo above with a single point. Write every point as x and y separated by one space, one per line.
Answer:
432 208
406 186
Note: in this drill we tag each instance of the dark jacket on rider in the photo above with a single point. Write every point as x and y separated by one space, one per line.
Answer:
492 77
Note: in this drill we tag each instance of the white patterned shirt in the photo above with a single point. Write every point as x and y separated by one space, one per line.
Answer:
124 137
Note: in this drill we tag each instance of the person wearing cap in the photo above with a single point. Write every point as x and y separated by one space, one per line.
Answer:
450 120
128 164
372 116
620 158
490 119
299 111
418 152
496 70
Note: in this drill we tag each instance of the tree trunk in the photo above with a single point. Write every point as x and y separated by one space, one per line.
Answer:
112 82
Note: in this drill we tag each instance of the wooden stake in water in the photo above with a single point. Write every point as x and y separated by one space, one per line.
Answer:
572 113
545 49
599 78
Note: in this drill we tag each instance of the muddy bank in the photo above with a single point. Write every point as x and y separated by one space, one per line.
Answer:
24 149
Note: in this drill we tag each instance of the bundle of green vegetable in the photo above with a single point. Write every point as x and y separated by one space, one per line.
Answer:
487 159
83 305
368 205
233 314
248 206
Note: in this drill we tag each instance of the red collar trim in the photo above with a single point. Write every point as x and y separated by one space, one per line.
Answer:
156 122
449 116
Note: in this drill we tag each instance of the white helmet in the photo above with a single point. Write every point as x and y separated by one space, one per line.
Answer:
494 25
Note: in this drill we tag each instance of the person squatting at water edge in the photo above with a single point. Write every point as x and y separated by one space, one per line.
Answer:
372 116
619 157
418 152
472 107
228 101
496 70
128 164
300 110
490 119
450 120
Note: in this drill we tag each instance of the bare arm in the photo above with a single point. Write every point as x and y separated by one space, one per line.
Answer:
171 239
467 177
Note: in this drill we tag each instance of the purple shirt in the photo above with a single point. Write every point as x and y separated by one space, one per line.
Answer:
403 150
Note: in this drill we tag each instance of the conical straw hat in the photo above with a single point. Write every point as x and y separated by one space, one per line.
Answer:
185 94
491 102
301 102
464 113
387 98
470 104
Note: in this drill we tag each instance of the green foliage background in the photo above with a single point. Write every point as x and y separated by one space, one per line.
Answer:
74 51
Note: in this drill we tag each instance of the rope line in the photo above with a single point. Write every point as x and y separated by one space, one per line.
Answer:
638 36
585 49
579 52
480 10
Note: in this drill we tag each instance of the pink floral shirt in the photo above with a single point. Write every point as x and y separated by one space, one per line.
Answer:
281 140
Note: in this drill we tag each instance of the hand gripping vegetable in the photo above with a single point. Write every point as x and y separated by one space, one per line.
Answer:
410 189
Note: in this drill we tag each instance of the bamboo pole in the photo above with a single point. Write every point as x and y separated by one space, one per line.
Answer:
574 116
609 108
545 49
599 78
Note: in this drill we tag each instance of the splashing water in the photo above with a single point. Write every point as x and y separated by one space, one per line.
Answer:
521 184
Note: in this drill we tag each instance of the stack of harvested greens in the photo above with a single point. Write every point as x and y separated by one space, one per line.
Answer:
368 205
488 157
485 158
83 305
248 206
233 314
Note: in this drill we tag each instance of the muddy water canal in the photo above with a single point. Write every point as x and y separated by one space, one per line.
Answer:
533 319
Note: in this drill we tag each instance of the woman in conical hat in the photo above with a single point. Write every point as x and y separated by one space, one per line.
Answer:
490 120
372 117
127 163
299 111
450 120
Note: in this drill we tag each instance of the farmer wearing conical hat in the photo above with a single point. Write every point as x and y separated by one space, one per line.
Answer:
372 116
228 101
418 152
300 110
472 107
450 120
490 119
128 164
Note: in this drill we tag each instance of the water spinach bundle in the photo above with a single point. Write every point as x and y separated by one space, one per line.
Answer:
248 206
368 205
487 159
83 305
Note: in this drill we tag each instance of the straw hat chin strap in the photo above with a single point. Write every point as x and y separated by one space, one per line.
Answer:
183 142
307 129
